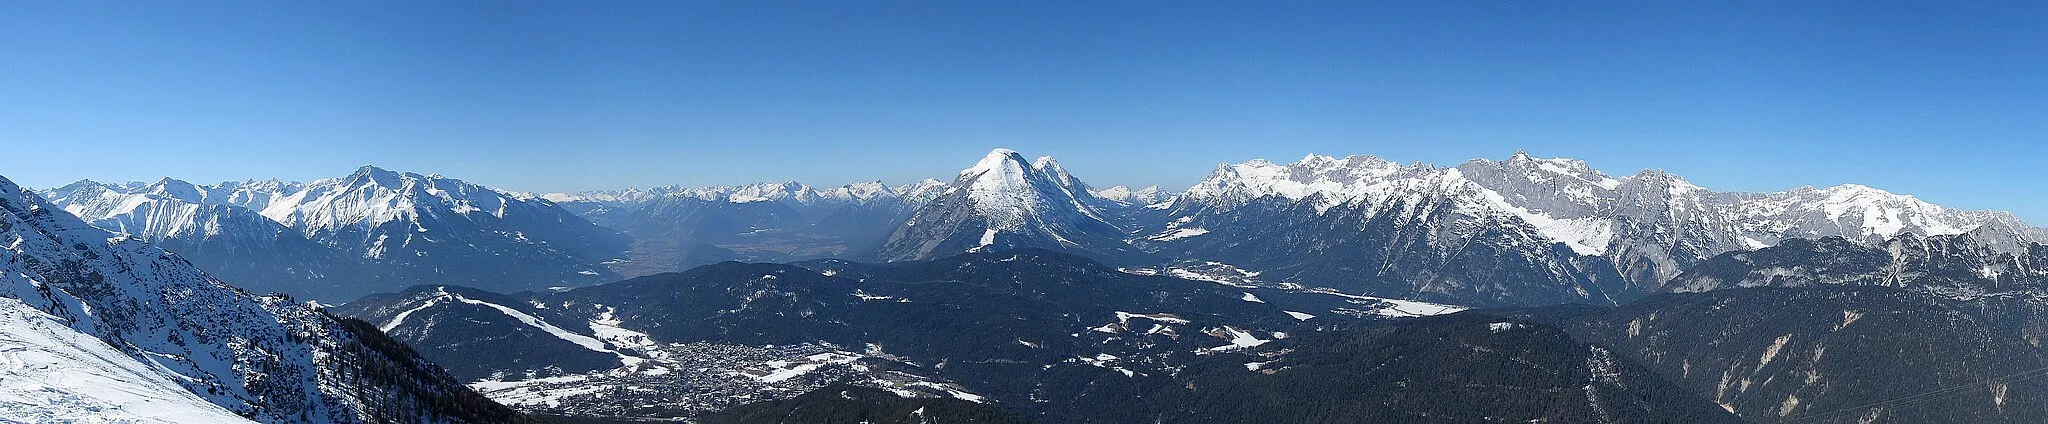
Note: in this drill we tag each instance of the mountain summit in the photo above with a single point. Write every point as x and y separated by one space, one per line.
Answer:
1005 202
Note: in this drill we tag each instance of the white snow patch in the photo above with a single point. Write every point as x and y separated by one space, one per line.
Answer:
1239 339
1178 234
1124 318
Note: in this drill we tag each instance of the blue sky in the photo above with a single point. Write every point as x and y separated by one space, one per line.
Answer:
1945 101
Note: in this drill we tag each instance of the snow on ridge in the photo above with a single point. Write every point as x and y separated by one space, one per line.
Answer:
1129 196
1567 201
593 344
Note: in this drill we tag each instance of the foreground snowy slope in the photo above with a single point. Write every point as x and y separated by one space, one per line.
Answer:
267 358
52 373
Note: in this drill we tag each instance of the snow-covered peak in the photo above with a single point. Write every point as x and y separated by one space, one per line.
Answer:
1521 166
922 191
1001 162
770 192
858 192
1128 196
1003 189
175 189
373 196
371 174
1005 202
1334 180
1861 212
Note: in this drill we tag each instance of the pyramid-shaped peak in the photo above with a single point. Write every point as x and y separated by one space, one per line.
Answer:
175 189
1314 158
1045 160
1002 154
1001 160
372 170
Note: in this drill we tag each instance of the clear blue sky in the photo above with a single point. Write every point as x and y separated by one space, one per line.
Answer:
1945 101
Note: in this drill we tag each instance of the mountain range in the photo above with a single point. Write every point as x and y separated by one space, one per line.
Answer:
104 327
339 238
1328 289
1520 231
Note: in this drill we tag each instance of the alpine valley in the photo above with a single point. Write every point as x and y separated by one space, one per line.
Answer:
1329 289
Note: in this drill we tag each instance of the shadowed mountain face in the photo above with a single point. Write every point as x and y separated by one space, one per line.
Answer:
1827 354
2008 290
1464 367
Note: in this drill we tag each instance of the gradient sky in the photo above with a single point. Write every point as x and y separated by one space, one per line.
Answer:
1945 101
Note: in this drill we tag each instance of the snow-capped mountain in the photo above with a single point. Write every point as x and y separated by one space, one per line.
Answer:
269 359
1365 225
674 228
1127 196
1004 202
1649 226
374 230
212 228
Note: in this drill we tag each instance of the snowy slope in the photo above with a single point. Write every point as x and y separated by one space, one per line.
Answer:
51 373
